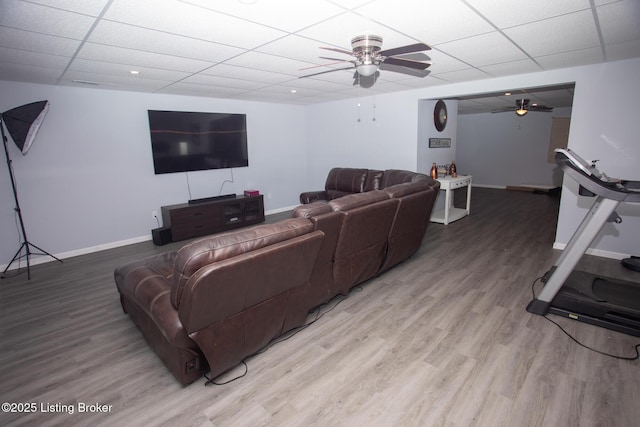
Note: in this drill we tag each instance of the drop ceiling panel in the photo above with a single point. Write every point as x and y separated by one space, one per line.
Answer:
299 14
431 22
499 49
200 90
569 59
510 13
441 62
93 7
340 30
120 70
142 39
268 42
511 67
463 75
302 49
135 58
625 50
192 21
106 81
9 71
620 22
318 85
44 20
223 82
26 40
33 59
556 35
273 63
243 73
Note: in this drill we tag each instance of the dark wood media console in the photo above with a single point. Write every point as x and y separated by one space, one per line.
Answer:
187 221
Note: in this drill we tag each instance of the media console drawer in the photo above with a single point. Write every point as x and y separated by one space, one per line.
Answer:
187 221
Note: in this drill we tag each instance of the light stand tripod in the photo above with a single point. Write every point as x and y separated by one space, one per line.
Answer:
20 139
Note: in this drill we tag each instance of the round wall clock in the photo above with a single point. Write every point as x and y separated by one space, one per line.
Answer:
440 115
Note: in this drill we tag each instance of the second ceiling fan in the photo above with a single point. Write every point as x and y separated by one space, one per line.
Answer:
523 106
369 57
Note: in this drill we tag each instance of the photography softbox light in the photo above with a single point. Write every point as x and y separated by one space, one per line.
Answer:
23 123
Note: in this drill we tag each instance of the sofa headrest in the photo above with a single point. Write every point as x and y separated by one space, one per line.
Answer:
312 209
193 256
348 180
353 201
373 180
397 176
399 190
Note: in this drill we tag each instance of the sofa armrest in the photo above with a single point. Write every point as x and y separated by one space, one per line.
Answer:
313 196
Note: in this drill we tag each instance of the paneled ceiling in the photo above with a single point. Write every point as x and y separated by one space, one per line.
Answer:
258 49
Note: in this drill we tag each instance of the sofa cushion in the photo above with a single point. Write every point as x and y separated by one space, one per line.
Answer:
399 190
193 256
396 176
353 201
311 210
346 180
373 180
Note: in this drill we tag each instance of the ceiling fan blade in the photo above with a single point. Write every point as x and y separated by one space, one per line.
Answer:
325 72
336 59
336 49
404 70
406 63
416 56
541 108
417 47
323 65
504 110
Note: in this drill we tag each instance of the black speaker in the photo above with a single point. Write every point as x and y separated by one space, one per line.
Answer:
161 236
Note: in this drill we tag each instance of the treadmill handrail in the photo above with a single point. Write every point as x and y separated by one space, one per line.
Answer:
622 191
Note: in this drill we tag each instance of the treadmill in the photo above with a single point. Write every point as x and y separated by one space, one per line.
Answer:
601 301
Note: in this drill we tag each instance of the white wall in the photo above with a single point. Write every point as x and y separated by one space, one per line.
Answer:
335 137
88 180
503 149
604 125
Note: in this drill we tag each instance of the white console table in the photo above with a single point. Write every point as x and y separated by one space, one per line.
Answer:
451 213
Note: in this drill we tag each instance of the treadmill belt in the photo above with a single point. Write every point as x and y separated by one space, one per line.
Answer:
622 293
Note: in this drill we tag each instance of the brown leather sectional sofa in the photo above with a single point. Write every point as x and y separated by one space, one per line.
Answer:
219 299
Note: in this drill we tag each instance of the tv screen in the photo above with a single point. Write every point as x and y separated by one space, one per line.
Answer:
187 141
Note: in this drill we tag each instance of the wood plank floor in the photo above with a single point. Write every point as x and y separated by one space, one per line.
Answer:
441 340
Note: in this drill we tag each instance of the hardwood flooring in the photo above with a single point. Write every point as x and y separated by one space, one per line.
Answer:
440 340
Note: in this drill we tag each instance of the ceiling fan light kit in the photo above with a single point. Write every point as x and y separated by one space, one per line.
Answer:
523 107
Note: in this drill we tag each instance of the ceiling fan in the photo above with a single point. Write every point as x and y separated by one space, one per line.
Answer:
523 107
369 57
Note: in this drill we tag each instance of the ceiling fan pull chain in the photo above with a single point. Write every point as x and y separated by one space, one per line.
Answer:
374 102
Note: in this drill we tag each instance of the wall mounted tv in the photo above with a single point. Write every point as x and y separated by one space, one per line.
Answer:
187 141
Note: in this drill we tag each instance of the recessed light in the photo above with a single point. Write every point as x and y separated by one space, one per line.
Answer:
134 72
507 93
293 91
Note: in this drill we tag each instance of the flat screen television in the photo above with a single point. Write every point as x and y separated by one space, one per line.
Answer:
184 141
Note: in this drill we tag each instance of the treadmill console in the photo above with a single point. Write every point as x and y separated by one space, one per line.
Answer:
579 162
594 181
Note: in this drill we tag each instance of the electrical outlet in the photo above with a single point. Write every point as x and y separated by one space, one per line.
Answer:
154 214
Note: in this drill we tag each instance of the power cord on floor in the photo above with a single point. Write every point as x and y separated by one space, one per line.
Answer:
637 346
318 315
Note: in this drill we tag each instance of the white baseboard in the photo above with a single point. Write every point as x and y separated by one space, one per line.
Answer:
595 252
497 187
41 259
